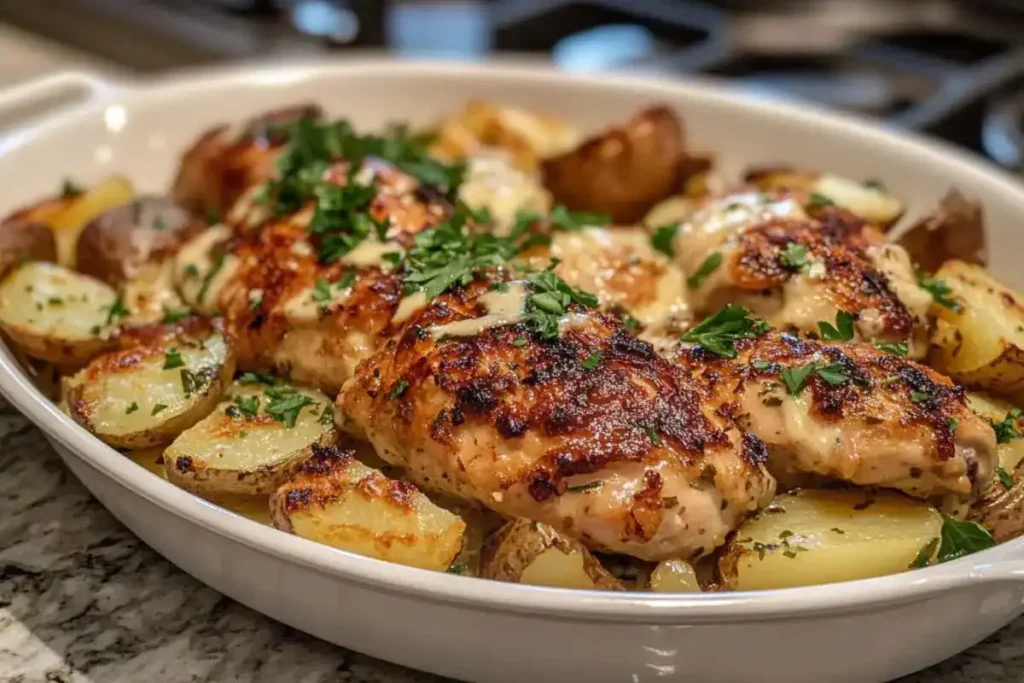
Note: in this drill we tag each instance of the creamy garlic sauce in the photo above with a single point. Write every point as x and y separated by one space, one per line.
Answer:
894 262
370 254
308 305
503 308
409 306
248 213
493 183
867 202
193 266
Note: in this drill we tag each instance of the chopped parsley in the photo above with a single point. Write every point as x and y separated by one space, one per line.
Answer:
663 237
158 408
70 188
631 323
1006 429
897 349
192 270
327 416
258 378
794 256
720 332
255 299
194 382
924 555
457 568
920 397
589 486
212 216
563 219
398 389
591 361
284 404
960 538
247 406
519 342
173 359
117 310
347 279
709 266
652 434
796 378
841 331
939 290
321 292
173 315
132 408
953 424
550 299
819 200
1005 478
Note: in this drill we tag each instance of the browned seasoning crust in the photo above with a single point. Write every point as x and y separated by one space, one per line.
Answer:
622 456
889 421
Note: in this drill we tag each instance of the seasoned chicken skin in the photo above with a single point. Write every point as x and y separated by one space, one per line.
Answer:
592 432
867 418
796 262
292 314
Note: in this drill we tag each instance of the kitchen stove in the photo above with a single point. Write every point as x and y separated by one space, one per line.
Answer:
953 68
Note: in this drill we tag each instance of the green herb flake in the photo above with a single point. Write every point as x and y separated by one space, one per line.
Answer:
247 406
347 279
960 538
132 408
589 486
591 361
925 554
663 237
652 434
258 378
173 315
457 568
550 299
720 332
212 216
900 349
327 416
158 408
519 342
841 331
321 292
398 389
70 189
173 359
939 290
794 256
920 397
284 404
819 200
1005 478
195 382
710 265
563 219
255 299
1006 429
117 310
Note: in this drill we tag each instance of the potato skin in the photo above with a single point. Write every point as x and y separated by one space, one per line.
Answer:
980 342
118 242
624 171
1001 509
955 229
512 549
25 241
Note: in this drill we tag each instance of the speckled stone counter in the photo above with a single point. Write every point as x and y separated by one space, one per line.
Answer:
82 600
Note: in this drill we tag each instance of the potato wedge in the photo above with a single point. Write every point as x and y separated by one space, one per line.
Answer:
624 171
979 338
252 442
336 500
955 229
674 576
164 380
822 536
994 409
56 314
529 552
869 201
119 242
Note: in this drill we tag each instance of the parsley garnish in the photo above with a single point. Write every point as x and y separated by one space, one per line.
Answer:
897 349
953 424
398 389
132 408
194 382
709 266
255 299
591 361
796 378
631 323
920 397
70 188
117 310
457 568
793 256
1005 478
720 332
157 408
924 555
550 299
960 538
173 315
173 359
819 200
348 279
563 219
519 342
939 290
191 270
662 239
321 292
248 406
258 378
284 404
212 216
589 486
327 416
1006 429
652 434
842 331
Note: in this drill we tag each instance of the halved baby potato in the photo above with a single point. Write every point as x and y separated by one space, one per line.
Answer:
529 552
252 442
203 266
979 335
869 201
336 500
674 576
823 536
164 380
56 314
994 409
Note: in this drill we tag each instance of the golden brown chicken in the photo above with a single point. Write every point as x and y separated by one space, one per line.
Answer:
849 412
796 260
591 431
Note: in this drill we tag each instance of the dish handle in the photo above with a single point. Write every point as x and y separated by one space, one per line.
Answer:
42 96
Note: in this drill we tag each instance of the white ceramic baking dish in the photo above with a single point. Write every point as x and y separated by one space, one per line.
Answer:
479 630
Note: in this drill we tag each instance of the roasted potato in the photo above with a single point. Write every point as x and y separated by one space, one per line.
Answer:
624 171
674 576
1001 508
203 266
56 314
117 244
22 242
225 160
529 552
151 294
993 409
68 214
869 201
979 334
953 230
252 442
823 536
526 136
336 500
163 380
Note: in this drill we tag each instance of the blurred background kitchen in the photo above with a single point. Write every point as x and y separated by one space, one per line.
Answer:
954 68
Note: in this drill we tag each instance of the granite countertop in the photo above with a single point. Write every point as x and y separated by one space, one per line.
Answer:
83 600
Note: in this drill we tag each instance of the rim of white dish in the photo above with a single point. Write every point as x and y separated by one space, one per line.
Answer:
996 564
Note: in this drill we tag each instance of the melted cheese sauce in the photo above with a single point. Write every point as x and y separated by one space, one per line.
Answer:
503 308
493 183
193 266
246 212
409 306
370 254
308 305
